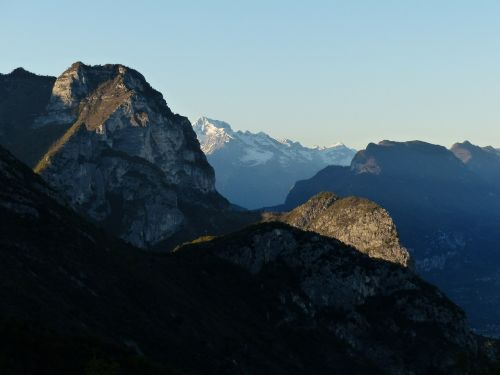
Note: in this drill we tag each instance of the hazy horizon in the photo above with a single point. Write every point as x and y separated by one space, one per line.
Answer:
318 73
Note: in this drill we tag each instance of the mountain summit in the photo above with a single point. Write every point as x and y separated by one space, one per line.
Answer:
255 170
355 221
107 140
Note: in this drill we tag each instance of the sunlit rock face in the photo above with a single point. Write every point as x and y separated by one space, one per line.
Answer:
120 155
355 221
125 114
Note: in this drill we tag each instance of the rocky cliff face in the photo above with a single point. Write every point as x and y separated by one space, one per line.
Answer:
254 170
121 156
355 221
122 112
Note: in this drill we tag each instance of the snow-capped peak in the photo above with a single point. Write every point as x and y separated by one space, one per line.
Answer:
212 134
205 123
256 170
333 146
289 143
338 144
259 148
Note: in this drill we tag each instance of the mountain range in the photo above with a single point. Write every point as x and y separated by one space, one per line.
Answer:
445 204
100 169
254 170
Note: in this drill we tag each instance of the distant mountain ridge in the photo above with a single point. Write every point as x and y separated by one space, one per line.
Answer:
484 161
255 170
446 209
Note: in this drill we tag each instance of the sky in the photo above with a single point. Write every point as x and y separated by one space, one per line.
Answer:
320 72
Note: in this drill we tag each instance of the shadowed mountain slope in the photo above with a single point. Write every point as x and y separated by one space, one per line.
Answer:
23 97
267 299
446 212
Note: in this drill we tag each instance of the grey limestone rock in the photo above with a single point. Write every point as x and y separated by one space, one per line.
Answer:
125 160
358 222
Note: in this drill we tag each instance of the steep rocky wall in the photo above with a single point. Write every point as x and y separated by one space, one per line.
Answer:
120 156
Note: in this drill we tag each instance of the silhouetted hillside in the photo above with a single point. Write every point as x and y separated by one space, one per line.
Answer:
268 299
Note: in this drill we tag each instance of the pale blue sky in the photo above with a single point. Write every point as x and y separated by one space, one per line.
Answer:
315 71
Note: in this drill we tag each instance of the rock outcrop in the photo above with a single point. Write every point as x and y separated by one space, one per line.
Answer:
355 221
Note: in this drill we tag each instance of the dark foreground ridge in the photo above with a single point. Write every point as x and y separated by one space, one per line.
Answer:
267 299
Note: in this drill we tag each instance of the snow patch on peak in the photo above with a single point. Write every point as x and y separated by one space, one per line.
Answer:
332 146
207 123
289 143
336 145
212 134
